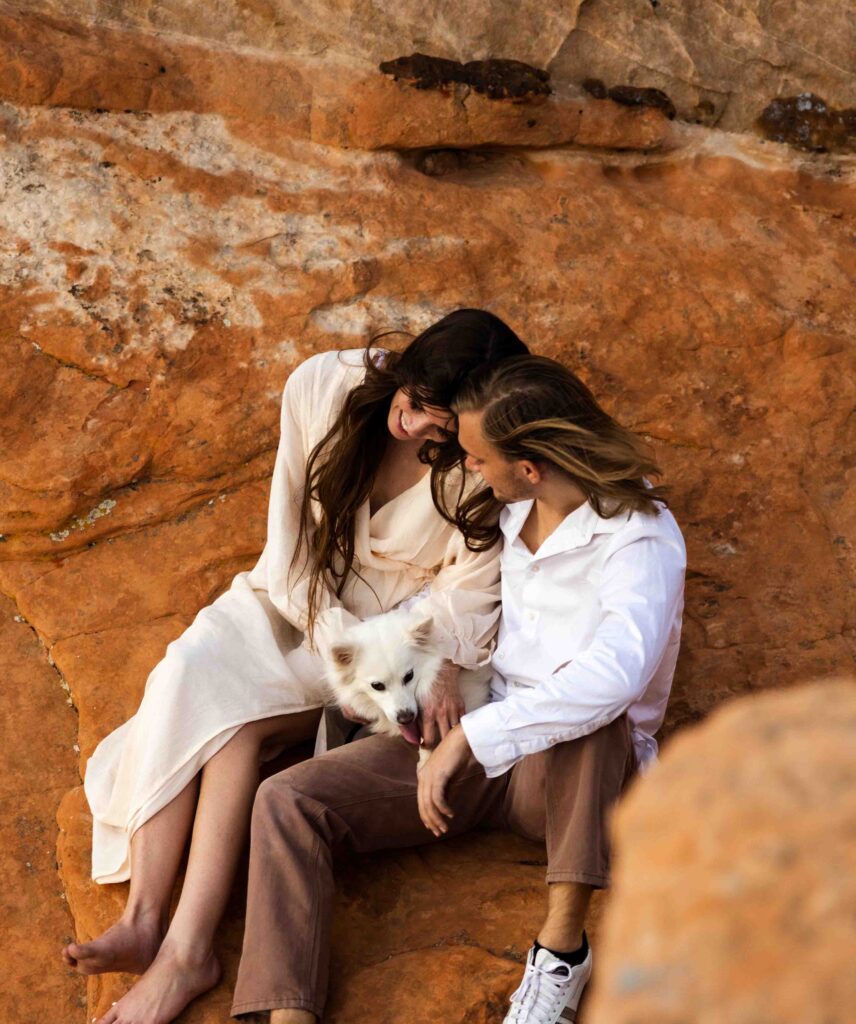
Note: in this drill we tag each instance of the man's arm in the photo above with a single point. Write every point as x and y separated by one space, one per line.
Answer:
640 592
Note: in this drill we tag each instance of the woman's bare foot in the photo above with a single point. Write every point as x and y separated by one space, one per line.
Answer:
129 946
165 989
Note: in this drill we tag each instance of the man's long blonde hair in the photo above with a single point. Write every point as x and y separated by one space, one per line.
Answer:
534 408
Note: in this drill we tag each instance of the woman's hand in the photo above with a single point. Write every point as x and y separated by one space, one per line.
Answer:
444 711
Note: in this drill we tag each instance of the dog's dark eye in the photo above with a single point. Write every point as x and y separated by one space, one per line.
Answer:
407 676
378 686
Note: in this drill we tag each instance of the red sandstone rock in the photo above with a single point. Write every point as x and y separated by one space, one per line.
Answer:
720 63
167 268
380 113
735 883
37 763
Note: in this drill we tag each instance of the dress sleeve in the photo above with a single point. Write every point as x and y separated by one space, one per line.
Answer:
289 590
640 594
463 599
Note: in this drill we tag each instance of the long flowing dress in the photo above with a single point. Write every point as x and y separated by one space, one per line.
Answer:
245 657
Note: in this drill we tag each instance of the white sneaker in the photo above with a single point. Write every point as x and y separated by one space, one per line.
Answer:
550 991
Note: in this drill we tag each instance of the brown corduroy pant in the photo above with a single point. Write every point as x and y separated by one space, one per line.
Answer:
361 797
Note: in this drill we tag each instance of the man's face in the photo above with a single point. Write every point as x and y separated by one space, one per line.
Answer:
505 477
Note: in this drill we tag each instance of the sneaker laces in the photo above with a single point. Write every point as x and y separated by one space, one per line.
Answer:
540 992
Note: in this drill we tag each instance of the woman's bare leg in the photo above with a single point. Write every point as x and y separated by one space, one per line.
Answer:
185 965
156 849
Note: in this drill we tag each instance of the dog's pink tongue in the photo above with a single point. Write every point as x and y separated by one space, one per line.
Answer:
411 732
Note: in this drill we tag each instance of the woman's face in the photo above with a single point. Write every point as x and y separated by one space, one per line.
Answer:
409 421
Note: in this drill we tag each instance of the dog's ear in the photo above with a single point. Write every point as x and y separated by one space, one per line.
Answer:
420 630
342 654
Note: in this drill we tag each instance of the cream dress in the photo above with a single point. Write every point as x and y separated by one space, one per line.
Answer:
245 658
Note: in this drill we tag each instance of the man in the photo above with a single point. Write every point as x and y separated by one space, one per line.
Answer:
592 589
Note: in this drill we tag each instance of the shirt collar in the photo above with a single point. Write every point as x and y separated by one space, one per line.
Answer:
575 530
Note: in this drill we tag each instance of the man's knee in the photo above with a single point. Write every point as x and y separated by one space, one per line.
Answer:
277 804
287 796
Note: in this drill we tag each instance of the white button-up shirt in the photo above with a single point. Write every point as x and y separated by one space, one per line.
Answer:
590 628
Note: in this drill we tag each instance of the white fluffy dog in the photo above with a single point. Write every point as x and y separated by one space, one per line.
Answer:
385 668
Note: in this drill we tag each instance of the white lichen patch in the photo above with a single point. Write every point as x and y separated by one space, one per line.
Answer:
103 508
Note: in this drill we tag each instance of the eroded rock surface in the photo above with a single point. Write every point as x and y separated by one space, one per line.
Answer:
736 862
163 269
38 763
719 63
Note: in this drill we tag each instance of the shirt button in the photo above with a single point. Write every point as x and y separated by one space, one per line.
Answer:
535 568
530 616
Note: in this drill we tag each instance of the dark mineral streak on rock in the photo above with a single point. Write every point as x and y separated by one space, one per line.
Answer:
496 79
704 112
438 162
596 88
631 96
805 121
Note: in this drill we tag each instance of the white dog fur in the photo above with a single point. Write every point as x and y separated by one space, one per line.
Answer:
385 668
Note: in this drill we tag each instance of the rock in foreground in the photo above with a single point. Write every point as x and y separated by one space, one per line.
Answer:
735 890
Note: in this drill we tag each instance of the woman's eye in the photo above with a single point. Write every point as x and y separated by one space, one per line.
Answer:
407 676
378 686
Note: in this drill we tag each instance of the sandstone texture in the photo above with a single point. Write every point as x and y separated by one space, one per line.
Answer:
38 763
721 63
173 242
734 895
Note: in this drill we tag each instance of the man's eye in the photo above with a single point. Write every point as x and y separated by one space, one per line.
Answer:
407 676
378 686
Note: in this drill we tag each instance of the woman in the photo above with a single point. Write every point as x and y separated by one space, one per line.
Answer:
365 491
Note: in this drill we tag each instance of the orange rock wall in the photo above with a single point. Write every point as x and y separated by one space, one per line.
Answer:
163 270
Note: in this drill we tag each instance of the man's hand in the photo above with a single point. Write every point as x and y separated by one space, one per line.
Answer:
444 711
445 762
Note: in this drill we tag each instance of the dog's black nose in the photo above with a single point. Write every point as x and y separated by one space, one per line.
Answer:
405 717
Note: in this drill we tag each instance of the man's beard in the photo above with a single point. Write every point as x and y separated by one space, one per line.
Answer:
508 492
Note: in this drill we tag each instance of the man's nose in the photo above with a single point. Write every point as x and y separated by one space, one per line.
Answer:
469 462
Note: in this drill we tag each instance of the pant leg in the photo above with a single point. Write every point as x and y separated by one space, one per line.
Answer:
565 794
355 799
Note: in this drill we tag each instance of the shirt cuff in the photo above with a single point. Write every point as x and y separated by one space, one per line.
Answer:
490 744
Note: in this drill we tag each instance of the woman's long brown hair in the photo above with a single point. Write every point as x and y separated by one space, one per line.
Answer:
342 467
535 408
